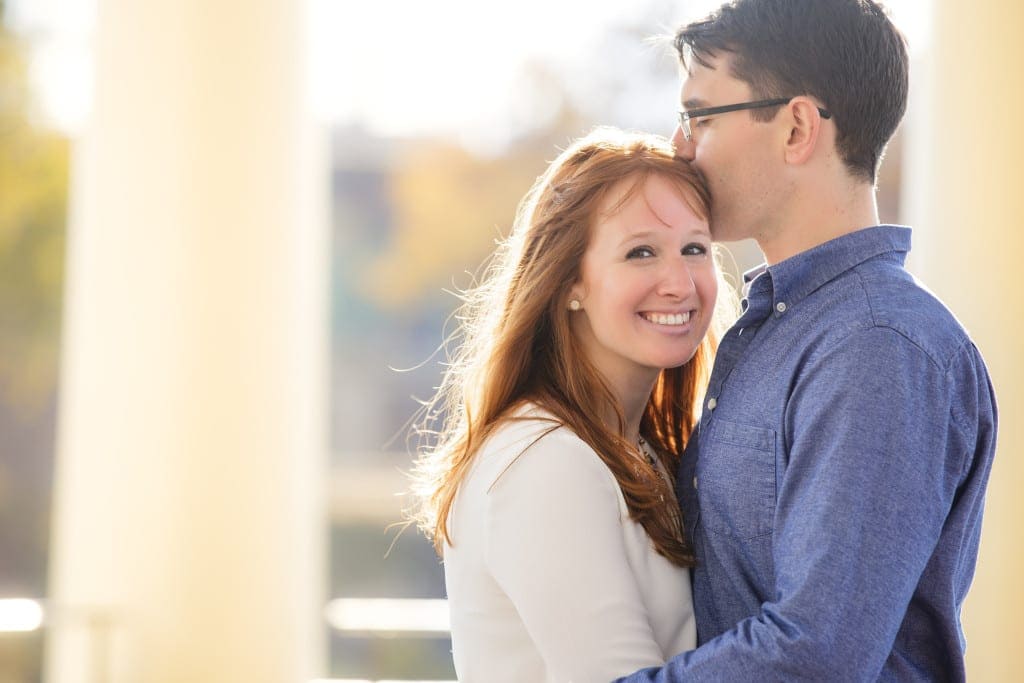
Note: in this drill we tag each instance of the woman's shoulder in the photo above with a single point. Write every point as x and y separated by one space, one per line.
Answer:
529 427
532 444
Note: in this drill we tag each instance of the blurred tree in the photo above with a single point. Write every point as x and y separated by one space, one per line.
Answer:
33 199
451 205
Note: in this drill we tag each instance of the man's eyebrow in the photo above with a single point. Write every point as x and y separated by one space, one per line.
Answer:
694 103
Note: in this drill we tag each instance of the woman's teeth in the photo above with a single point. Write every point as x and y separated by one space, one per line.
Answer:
669 319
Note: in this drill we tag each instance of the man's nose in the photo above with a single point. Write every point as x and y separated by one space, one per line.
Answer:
684 148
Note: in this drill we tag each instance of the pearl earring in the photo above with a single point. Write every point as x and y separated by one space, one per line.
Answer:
575 305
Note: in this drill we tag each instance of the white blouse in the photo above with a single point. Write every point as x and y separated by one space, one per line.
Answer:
548 578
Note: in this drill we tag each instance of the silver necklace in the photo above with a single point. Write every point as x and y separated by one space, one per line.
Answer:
642 445
650 458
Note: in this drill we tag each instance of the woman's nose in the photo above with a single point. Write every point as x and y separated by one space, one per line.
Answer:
676 280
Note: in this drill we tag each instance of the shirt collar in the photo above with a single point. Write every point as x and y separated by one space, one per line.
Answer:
790 281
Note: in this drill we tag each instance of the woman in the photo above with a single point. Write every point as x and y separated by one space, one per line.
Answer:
566 408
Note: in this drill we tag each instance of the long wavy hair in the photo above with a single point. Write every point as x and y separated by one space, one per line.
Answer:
515 345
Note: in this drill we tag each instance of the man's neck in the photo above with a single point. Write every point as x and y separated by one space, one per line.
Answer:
819 217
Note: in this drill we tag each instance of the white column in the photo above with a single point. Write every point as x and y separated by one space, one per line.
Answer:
188 519
964 182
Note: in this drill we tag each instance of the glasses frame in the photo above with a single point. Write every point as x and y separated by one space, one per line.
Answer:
686 116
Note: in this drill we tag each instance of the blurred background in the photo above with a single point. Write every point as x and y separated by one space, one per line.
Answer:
230 234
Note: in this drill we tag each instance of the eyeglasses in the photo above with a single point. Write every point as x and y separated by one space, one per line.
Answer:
686 116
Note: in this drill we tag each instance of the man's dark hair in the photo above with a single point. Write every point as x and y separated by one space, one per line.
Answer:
845 53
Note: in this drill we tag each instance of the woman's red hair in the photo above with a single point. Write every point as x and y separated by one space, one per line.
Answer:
515 345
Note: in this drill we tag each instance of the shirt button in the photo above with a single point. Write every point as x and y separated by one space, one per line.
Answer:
695 483
712 404
781 307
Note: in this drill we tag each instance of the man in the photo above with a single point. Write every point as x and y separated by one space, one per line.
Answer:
834 488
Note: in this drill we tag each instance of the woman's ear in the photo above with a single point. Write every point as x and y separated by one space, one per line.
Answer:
576 296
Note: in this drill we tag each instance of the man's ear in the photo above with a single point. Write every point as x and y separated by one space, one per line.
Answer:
805 129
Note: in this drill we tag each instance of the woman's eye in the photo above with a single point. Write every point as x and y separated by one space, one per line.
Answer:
640 252
695 249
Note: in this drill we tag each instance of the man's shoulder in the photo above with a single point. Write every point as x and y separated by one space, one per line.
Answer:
896 300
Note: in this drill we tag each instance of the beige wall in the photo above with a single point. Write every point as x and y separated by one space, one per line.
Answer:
964 188
188 525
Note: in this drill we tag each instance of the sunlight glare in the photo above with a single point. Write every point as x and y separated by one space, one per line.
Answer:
20 615
386 616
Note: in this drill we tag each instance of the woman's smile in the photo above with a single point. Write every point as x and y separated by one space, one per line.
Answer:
670 319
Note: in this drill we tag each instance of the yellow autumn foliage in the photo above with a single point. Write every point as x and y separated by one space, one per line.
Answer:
33 201
450 209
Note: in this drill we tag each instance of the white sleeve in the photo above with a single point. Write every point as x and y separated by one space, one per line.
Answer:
555 546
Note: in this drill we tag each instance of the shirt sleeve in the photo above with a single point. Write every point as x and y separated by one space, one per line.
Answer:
555 546
875 433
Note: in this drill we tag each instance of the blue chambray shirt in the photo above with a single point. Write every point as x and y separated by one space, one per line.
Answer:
834 487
